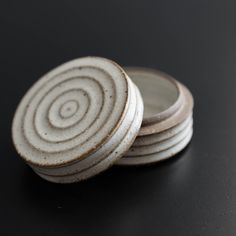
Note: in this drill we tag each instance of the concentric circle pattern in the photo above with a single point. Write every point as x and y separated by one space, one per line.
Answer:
72 112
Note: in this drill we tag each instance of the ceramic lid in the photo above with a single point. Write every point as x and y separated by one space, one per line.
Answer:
74 121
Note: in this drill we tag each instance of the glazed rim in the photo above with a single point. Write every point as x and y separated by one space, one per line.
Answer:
103 157
26 131
163 88
179 111
66 174
158 137
179 116
156 157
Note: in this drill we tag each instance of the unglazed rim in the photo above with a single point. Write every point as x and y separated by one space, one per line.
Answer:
158 117
92 149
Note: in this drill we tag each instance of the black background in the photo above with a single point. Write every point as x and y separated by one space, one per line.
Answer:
192 194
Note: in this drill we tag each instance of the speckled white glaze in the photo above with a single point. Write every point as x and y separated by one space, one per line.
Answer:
77 120
160 156
160 145
161 93
97 161
167 124
175 110
176 118
164 135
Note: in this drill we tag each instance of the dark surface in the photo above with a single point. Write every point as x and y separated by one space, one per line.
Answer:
193 194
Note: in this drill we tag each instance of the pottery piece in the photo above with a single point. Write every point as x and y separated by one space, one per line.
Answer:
167 124
77 120
160 145
156 157
164 135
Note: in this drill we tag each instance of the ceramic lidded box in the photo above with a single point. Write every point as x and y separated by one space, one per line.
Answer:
77 120
84 116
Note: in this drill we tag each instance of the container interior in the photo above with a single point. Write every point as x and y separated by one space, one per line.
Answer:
158 92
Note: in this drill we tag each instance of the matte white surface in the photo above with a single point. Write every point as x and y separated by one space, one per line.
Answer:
160 156
74 120
167 125
159 146
158 94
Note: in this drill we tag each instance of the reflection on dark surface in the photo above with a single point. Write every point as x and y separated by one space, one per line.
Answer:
122 195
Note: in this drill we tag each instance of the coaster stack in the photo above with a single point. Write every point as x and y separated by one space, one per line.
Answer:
167 125
77 120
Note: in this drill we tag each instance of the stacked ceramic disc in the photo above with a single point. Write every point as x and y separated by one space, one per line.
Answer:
167 125
77 120
87 114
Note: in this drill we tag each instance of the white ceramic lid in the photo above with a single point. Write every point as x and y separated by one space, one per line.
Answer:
80 111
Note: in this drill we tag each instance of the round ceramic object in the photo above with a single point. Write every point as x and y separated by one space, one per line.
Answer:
167 102
160 156
77 120
160 145
167 123
164 135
